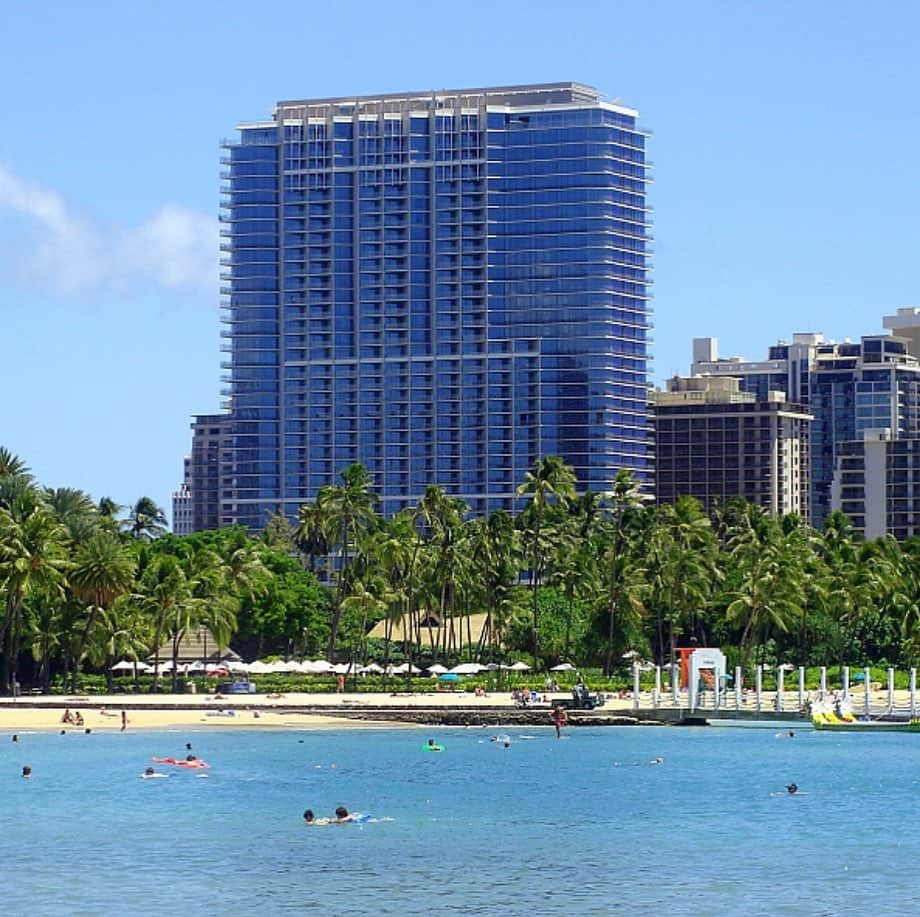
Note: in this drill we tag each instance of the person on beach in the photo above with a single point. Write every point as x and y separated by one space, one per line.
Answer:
15 738
560 719
67 717
340 685
124 720
78 719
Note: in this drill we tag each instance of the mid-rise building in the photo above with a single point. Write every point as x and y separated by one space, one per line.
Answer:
857 387
210 478
786 369
877 484
714 442
848 388
444 286
182 503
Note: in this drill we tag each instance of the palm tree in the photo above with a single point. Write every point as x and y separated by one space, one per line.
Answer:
74 509
311 534
146 521
163 586
394 549
103 570
771 588
118 631
550 484
493 566
442 518
366 599
625 585
33 560
350 509
13 466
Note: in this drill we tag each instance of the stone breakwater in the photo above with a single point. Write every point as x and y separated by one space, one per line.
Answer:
482 716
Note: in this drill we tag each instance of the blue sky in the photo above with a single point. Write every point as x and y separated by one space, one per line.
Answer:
786 194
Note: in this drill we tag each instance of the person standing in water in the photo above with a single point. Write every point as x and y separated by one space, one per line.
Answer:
560 719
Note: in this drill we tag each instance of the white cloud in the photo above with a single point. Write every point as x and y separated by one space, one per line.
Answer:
176 247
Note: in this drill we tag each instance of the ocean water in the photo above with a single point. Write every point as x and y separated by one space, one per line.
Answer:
584 825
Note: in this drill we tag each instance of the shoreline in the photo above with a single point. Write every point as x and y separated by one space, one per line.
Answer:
102 713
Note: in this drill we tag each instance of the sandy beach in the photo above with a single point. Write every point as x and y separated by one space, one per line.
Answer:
257 711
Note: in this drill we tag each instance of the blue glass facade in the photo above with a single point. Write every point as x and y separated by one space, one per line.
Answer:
442 287
873 385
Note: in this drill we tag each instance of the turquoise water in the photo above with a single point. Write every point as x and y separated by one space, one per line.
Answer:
541 827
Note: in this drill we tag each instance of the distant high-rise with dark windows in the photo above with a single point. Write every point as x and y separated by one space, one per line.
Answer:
442 286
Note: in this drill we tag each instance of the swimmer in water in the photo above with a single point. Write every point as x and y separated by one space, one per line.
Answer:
792 789
26 771
657 761
342 817
310 819
150 773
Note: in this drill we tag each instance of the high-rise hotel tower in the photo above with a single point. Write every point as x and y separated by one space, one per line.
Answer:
443 286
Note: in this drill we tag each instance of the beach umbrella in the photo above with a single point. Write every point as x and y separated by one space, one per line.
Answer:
320 665
519 667
260 668
341 668
449 676
238 666
372 669
563 667
436 669
467 668
123 666
196 666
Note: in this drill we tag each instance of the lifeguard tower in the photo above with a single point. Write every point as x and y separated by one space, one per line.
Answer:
706 664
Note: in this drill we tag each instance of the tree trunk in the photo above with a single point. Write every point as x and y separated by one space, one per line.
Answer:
78 658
